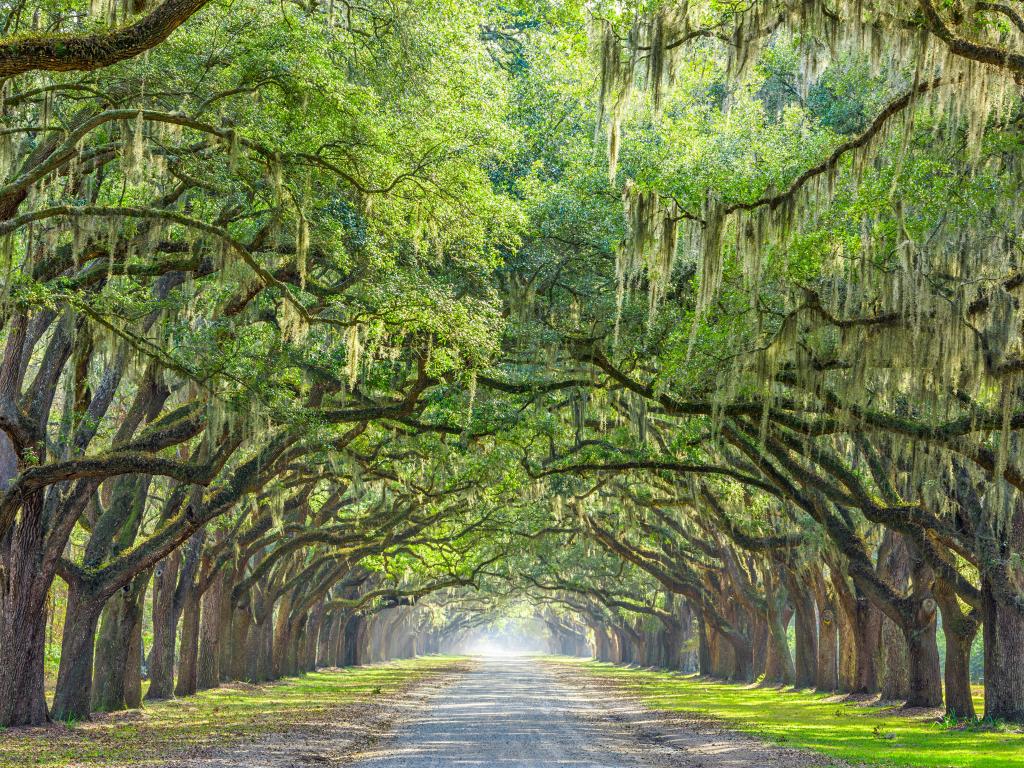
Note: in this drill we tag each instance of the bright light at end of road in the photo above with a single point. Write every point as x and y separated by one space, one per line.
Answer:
491 648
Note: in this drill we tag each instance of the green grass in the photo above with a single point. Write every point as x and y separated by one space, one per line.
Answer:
856 733
238 712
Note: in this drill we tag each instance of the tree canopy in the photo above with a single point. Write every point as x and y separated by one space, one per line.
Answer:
335 331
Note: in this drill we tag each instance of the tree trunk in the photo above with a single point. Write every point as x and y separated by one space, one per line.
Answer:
281 638
120 616
847 631
846 624
260 650
923 650
315 627
165 620
361 647
703 648
338 643
23 589
241 625
672 646
133 667
827 677
806 626
960 629
22 642
208 674
867 632
225 640
760 645
895 662
327 640
828 650
72 698
189 645
779 669
1004 658
296 640
925 680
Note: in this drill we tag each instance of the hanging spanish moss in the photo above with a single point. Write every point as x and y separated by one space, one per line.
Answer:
353 353
649 249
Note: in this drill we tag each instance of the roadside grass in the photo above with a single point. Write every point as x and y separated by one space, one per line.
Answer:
223 716
859 734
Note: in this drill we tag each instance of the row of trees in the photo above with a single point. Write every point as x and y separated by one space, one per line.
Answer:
312 312
795 399
225 306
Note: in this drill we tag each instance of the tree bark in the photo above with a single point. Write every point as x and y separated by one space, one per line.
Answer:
315 626
208 674
1004 658
866 636
960 629
923 652
161 655
120 618
133 667
846 623
24 585
828 651
22 642
919 632
672 646
326 640
189 645
703 648
806 657
72 698
241 625
895 662
281 637
779 669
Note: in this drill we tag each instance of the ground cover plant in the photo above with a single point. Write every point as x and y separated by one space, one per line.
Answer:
875 734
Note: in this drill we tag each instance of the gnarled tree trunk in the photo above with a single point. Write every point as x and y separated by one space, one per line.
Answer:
188 653
72 699
23 588
165 621
119 623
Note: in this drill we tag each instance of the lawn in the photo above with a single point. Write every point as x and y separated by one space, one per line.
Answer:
860 734
218 717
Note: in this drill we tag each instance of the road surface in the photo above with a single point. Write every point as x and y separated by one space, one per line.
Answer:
511 712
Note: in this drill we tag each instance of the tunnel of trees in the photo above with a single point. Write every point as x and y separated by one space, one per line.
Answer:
334 331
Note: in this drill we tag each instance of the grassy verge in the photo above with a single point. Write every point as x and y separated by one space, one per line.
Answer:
858 734
218 717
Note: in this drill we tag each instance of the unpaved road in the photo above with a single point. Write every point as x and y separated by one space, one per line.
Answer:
510 712
519 712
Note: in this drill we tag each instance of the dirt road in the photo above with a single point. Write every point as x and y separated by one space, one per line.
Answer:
519 712
512 712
